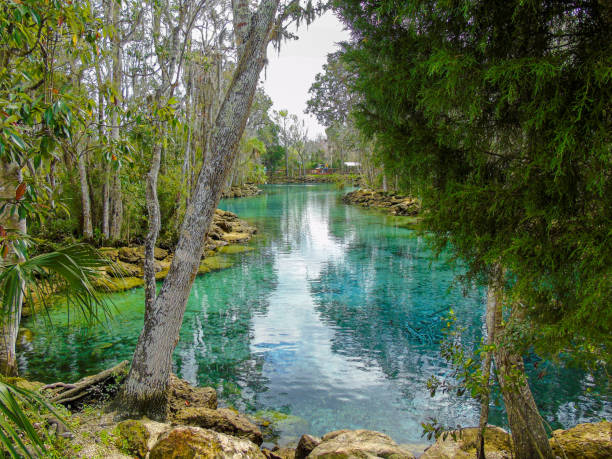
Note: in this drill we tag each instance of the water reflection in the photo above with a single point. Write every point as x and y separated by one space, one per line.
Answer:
334 318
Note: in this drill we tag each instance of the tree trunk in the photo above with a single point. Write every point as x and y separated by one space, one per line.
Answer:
493 300
106 202
85 201
529 439
145 390
154 226
116 200
10 178
116 208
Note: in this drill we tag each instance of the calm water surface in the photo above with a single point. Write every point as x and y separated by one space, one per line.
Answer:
334 318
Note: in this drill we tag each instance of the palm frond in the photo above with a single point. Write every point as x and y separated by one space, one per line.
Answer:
68 272
16 429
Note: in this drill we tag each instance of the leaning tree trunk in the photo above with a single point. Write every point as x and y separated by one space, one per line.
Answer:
10 178
529 439
145 390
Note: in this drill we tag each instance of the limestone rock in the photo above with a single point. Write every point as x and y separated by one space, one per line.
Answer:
198 443
222 420
347 444
181 394
305 446
133 437
279 453
498 445
159 253
592 441
132 255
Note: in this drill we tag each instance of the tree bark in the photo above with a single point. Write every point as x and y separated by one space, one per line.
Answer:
10 178
529 438
116 200
85 201
154 225
145 390
493 300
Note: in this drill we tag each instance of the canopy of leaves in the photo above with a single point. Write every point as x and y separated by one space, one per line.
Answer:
502 112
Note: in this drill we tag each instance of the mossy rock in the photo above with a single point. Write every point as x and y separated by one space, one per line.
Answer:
288 424
162 274
118 284
195 442
21 383
213 264
234 248
133 437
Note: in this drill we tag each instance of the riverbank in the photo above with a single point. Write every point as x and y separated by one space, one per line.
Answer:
395 204
198 426
344 179
225 232
227 235
243 191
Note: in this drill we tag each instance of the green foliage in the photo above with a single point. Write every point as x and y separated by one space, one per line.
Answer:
68 272
498 112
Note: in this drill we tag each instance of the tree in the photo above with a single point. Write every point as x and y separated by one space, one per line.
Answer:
498 110
146 384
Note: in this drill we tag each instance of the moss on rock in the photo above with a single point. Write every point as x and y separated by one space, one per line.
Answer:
234 248
133 437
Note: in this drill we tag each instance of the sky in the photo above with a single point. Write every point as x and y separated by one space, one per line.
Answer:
290 73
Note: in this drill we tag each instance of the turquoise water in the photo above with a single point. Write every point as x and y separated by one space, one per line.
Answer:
334 318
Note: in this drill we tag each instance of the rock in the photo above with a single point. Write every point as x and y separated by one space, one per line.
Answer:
498 445
181 394
392 203
133 437
234 237
222 420
123 269
110 252
592 441
279 453
195 442
134 255
118 284
346 444
305 446
21 383
159 253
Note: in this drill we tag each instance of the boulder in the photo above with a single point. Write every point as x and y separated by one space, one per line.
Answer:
592 441
132 255
461 444
305 446
279 453
110 252
159 253
181 394
133 437
198 443
123 269
346 444
222 420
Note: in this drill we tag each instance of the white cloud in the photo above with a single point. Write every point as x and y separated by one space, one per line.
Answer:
291 72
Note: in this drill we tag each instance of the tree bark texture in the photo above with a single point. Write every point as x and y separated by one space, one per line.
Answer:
116 199
85 200
145 390
529 438
493 299
10 178
154 225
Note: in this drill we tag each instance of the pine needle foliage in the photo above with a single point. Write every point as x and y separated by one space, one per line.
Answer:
500 112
